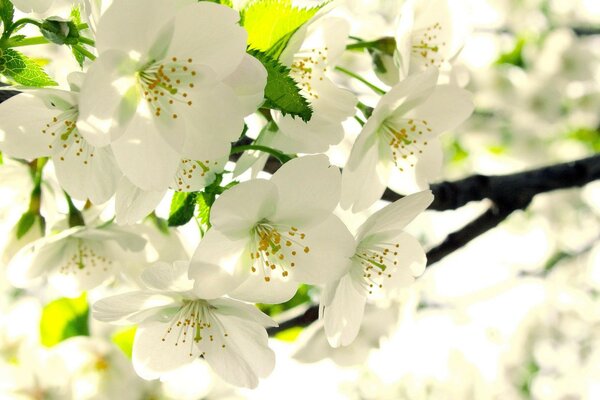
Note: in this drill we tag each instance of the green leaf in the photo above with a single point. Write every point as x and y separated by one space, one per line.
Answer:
514 56
183 206
64 318
24 70
281 92
7 12
124 340
269 21
289 335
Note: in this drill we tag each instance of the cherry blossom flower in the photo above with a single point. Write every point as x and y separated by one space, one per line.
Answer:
157 96
43 123
269 235
74 260
386 260
402 133
178 324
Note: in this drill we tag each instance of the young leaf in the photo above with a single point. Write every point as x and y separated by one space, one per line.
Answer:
7 12
123 338
64 318
281 92
183 206
25 223
268 21
24 70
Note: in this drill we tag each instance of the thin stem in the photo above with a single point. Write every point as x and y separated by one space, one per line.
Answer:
361 79
83 51
362 45
283 158
19 23
31 41
75 216
87 41
360 121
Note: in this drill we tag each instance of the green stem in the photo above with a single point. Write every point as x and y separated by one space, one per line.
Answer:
83 51
360 121
87 41
27 41
361 79
362 45
19 23
283 158
75 216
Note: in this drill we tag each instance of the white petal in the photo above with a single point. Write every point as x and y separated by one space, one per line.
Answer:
238 209
215 120
218 40
23 119
392 219
243 311
330 246
144 157
297 136
256 290
164 276
108 98
246 355
33 260
86 172
407 94
364 184
36 6
133 204
135 26
446 108
248 82
344 315
218 265
130 308
429 164
123 238
309 189
152 356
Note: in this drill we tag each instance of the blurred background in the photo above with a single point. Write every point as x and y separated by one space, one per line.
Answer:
515 314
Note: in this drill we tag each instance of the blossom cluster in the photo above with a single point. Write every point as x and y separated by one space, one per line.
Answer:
167 94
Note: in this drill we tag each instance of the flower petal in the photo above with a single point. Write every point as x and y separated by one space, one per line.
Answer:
243 311
218 40
171 277
108 98
363 184
155 352
248 82
217 265
344 315
130 308
86 172
238 209
330 246
133 204
23 122
256 290
446 108
392 219
244 356
144 156
309 189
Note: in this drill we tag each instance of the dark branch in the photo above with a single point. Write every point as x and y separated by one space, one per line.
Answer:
507 189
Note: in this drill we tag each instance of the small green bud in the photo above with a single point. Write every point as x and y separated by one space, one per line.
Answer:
60 31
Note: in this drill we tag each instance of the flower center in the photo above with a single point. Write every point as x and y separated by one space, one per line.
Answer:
194 324
425 44
84 259
308 67
190 172
165 85
276 247
67 140
377 264
405 140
